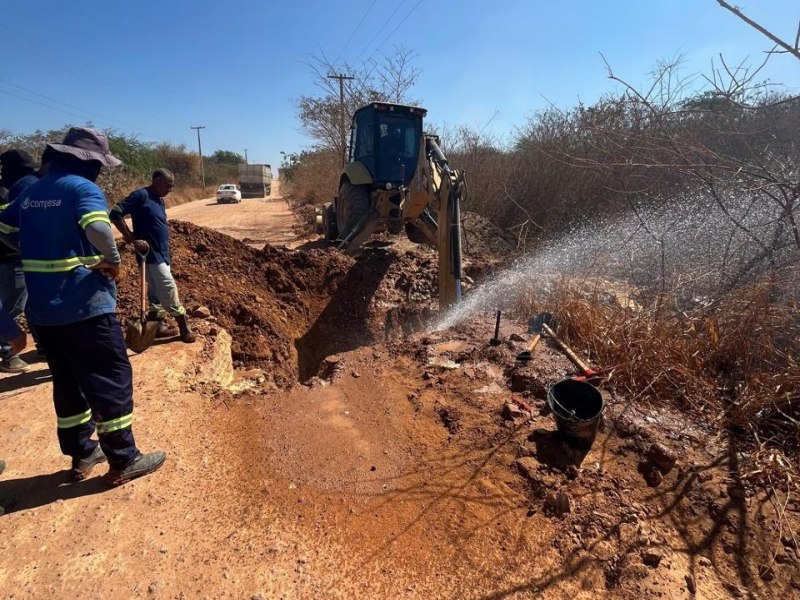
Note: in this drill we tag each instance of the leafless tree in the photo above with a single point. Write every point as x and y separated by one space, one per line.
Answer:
388 78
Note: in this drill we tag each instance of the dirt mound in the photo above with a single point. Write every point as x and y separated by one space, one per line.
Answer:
287 310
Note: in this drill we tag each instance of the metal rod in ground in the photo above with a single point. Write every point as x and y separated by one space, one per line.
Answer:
495 340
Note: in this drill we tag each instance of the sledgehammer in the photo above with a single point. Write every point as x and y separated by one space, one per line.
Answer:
587 373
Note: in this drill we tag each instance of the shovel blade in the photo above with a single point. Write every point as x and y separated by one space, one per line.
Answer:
545 318
140 335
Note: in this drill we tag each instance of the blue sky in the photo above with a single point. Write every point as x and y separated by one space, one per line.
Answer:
156 68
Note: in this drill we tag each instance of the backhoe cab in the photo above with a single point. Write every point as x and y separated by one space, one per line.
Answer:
397 177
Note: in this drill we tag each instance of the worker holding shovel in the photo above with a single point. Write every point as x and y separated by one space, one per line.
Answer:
150 238
70 262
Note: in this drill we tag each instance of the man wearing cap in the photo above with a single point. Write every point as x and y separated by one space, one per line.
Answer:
17 167
150 237
70 262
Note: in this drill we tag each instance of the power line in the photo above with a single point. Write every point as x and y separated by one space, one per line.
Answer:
400 24
382 27
354 32
56 100
85 115
68 112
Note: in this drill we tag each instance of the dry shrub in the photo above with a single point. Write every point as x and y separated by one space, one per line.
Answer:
314 178
182 195
733 362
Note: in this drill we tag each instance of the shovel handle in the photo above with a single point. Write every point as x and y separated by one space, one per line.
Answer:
534 342
143 287
568 351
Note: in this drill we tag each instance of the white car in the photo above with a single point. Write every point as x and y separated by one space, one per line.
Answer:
228 192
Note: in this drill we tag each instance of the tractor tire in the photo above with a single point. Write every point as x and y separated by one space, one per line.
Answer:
329 228
353 206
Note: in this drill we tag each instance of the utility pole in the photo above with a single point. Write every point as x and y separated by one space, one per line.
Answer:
245 157
341 79
200 152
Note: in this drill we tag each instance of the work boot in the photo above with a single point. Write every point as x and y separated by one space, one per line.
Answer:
13 364
143 464
82 467
187 335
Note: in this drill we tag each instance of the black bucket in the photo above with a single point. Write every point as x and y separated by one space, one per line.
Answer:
577 408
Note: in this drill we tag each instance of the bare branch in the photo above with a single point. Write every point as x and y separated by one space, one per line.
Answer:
791 50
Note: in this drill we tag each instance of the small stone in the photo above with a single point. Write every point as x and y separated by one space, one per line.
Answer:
528 466
154 587
652 557
525 450
766 573
704 561
572 472
511 412
650 472
662 457
557 503
789 542
355 374
201 312
515 337
690 585
628 533
604 550
257 597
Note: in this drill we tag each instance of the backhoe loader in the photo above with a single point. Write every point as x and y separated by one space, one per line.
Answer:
396 178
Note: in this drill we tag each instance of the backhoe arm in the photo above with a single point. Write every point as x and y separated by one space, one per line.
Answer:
438 187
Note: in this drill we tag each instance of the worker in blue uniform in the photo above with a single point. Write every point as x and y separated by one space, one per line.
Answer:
70 262
150 238
17 340
17 167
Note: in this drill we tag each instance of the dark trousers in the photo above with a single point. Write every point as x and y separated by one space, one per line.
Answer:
92 387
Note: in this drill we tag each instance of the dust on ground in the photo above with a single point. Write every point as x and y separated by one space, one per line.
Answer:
357 454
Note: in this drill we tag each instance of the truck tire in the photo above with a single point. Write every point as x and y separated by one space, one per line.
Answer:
353 206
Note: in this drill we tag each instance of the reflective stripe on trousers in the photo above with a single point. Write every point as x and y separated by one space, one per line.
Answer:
74 420
114 424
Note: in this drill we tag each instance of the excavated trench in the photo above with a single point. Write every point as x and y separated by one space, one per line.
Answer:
287 310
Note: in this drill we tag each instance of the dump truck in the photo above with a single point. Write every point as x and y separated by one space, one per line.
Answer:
396 178
255 181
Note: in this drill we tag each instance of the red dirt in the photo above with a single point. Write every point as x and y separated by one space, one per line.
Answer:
392 472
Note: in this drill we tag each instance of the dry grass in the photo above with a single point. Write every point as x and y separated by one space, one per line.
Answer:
734 362
182 195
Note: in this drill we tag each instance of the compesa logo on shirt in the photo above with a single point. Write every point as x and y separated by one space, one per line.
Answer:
44 204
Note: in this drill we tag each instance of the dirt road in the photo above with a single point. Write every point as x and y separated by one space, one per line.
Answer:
390 475
255 221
